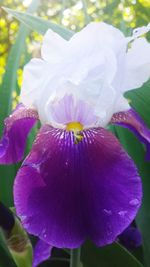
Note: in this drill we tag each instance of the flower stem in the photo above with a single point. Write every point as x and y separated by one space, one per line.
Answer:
75 257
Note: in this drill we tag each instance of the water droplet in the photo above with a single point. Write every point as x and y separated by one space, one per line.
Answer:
134 202
136 179
23 218
108 212
25 223
44 233
36 166
122 213
109 230
66 163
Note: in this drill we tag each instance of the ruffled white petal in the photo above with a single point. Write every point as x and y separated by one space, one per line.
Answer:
53 47
94 67
137 64
121 104
33 76
97 34
38 82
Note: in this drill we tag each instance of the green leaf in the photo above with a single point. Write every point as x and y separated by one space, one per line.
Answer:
7 87
110 256
5 257
38 24
140 101
10 76
137 152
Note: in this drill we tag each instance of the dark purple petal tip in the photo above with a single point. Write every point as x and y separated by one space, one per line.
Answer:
17 128
67 192
131 238
131 120
42 252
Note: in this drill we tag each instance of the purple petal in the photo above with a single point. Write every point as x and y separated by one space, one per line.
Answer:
17 128
66 192
131 238
131 120
42 252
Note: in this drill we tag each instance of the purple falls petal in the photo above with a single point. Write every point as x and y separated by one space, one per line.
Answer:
42 252
66 193
131 120
17 128
131 238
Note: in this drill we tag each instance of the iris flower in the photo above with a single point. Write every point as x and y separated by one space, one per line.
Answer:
78 182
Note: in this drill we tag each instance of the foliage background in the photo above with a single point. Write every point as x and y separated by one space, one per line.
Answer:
18 44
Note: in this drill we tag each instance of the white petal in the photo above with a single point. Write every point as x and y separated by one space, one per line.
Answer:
96 65
53 47
104 106
93 48
97 33
36 75
93 67
94 51
138 64
121 104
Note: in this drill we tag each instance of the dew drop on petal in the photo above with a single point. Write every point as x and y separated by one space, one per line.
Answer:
25 223
135 179
134 202
107 212
23 218
109 230
66 163
122 213
44 233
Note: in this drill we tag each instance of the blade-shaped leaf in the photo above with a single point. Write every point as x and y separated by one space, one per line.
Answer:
5 257
140 101
137 152
110 256
7 87
38 24
10 76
